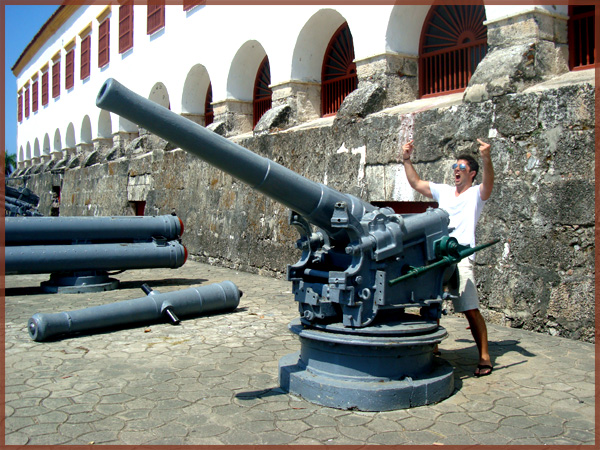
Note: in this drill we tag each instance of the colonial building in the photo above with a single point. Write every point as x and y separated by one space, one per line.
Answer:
230 64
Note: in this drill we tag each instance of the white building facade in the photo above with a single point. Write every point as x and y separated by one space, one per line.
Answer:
178 58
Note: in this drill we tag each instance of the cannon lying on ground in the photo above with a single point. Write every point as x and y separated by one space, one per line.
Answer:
79 252
361 268
155 306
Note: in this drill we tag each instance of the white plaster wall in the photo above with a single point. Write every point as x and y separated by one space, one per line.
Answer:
222 44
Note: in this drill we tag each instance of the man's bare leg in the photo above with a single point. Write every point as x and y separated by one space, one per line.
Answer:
479 332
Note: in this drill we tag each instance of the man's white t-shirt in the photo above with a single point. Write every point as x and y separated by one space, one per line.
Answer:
464 210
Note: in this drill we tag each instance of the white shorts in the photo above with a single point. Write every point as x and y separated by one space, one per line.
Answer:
467 291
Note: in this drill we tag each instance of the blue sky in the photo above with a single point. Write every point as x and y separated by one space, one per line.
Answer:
22 22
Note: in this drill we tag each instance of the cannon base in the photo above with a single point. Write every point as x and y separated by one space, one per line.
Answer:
368 372
79 283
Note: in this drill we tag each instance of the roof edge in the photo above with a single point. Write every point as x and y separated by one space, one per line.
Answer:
56 20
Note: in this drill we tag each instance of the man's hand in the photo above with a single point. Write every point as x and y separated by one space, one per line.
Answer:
407 150
484 149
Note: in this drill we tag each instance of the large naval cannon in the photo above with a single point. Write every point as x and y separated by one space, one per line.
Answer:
80 253
361 272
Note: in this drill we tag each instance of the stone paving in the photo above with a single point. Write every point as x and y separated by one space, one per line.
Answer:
214 379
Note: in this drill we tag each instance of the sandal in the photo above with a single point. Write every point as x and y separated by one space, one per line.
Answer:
486 367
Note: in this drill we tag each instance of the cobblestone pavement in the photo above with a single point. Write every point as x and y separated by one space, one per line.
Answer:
214 379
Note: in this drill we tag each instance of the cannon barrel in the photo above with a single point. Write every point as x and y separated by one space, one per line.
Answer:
35 259
56 230
315 201
172 305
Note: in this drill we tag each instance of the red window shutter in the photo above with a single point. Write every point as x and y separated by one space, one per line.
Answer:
125 27
103 43
189 4
34 96
20 108
44 88
27 102
56 79
70 69
156 17
85 57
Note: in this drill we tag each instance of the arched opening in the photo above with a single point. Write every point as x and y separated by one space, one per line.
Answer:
70 137
104 125
57 147
263 94
160 95
86 130
338 76
453 42
243 69
46 147
209 113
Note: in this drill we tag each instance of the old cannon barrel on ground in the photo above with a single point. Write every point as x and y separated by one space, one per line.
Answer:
310 199
172 306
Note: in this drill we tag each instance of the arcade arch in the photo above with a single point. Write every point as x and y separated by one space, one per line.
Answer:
160 95
70 137
85 136
243 69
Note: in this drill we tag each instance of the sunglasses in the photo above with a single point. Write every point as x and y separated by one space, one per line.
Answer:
461 166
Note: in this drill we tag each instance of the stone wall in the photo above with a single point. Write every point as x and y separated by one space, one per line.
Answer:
541 276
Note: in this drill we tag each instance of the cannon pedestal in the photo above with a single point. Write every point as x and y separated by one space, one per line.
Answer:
79 282
380 368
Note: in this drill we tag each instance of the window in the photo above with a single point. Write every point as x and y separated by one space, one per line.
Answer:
453 43
103 43
338 77
85 57
209 114
27 102
45 88
582 45
125 27
34 96
20 107
262 92
56 79
156 17
70 69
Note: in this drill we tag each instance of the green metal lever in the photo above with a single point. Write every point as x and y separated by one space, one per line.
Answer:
449 251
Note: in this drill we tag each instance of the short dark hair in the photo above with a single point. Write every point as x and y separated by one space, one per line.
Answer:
473 165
